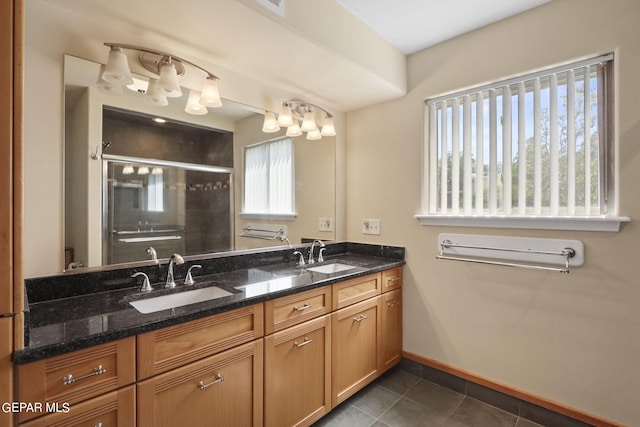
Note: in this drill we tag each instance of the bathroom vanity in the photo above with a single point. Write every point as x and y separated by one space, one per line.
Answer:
284 346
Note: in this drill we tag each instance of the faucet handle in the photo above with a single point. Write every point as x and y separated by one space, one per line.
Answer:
146 286
189 279
320 257
300 257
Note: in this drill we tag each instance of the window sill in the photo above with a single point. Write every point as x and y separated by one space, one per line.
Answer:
600 223
266 216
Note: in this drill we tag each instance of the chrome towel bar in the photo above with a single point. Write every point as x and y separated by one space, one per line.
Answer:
474 253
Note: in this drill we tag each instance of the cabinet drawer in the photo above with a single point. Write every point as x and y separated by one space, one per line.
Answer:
168 348
287 311
356 290
391 279
77 376
112 409
221 390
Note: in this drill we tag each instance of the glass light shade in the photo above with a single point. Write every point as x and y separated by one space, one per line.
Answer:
143 170
168 81
285 118
309 122
155 96
314 135
127 170
294 130
109 88
156 171
270 124
194 106
117 69
210 95
328 129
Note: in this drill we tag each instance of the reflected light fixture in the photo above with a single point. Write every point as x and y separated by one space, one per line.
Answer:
298 117
127 169
163 70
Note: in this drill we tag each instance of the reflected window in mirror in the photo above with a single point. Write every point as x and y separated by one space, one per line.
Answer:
269 178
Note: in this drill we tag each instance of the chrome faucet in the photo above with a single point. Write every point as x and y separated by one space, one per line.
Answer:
146 286
189 279
300 257
311 260
152 253
174 260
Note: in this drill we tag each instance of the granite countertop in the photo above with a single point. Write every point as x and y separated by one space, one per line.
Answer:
79 320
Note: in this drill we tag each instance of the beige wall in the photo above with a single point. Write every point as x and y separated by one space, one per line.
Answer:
571 338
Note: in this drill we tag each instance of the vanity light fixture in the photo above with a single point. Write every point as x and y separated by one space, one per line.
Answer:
165 70
298 117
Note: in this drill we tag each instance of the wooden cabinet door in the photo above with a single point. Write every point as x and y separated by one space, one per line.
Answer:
355 332
298 374
391 337
222 390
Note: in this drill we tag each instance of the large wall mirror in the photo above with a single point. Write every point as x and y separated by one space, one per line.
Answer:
136 188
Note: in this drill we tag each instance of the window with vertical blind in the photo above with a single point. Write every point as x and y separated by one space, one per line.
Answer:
269 178
535 147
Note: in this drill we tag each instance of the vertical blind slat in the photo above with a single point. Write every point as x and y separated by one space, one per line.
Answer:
466 151
433 158
444 154
587 142
479 153
522 151
571 143
455 156
537 149
493 152
553 147
506 150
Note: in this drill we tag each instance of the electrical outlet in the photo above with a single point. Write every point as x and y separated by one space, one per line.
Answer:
325 224
370 226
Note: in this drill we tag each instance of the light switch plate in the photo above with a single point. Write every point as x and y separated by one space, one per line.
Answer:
325 224
370 226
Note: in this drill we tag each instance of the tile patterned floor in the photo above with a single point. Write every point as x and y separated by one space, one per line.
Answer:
400 399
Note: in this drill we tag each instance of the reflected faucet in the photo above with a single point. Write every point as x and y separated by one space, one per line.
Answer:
319 242
174 260
152 253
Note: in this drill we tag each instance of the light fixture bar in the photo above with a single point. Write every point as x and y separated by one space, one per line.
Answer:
162 54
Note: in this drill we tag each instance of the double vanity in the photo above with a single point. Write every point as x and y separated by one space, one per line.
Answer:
257 340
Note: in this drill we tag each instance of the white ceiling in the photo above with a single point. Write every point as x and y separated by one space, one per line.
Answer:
412 25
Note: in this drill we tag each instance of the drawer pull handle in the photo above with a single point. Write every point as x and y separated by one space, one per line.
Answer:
98 425
219 379
304 307
303 343
393 303
360 319
392 279
68 379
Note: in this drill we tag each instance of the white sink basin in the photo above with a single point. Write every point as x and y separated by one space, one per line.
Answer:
151 305
331 268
